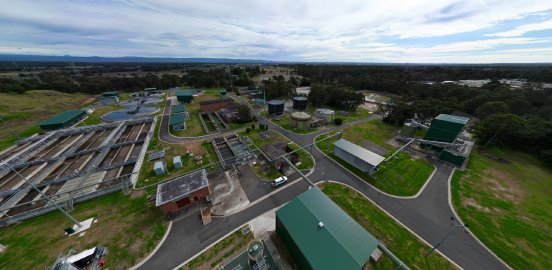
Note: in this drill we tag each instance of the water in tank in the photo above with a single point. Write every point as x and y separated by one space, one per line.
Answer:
300 103
275 106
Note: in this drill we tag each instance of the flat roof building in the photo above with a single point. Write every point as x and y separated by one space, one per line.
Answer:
181 191
359 157
320 235
110 94
176 121
184 96
178 108
445 128
62 120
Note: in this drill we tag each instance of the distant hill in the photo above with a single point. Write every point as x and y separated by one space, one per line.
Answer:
126 59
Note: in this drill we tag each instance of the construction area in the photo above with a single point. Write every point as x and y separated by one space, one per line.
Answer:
69 166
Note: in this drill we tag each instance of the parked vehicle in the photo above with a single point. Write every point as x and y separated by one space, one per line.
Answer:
279 181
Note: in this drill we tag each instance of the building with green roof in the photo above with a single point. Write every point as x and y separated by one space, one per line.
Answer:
184 96
320 235
178 108
176 121
110 94
445 128
62 120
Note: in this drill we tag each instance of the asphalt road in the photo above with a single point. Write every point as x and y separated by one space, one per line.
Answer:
428 215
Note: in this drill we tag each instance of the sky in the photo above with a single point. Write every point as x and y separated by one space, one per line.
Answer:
389 31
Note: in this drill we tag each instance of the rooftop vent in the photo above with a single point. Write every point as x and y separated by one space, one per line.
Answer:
320 225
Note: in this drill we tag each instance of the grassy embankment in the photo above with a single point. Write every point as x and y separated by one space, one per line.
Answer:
21 113
95 118
395 237
306 159
506 198
128 227
402 176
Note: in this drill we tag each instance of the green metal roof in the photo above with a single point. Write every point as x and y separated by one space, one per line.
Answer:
340 244
180 92
110 93
359 152
62 118
177 119
178 108
452 118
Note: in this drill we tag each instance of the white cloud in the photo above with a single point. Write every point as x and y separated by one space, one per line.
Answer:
524 29
356 30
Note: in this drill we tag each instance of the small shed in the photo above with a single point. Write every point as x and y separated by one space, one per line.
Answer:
183 190
158 168
177 162
359 157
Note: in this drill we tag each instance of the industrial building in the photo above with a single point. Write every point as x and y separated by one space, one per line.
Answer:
319 235
110 94
326 114
359 157
178 108
177 121
230 114
184 96
275 151
214 105
62 120
445 128
183 190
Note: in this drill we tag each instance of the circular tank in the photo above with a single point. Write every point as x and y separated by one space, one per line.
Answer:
300 103
300 120
327 114
140 101
275 106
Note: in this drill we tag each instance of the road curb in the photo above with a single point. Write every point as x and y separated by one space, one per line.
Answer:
156 248
392 217
468 229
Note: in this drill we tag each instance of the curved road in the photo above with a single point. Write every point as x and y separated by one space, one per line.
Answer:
428 215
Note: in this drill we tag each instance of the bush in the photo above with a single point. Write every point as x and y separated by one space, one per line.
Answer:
247 130
338 121
252 126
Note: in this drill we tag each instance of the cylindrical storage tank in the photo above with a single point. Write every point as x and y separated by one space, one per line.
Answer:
326 114
300 103
275 107
300 120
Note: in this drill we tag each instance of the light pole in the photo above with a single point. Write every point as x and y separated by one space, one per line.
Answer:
47 198
455 225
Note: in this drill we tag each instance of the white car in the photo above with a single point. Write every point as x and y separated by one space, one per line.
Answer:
279 181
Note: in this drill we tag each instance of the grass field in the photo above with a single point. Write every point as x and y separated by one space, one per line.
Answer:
128 227
506 198
20 114
193 125
95 118
402 176
224 249
396 238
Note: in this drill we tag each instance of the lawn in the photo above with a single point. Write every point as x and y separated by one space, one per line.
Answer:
129 227
353 116
224 249
21 113
189 163
395 237
193 125
95 118
506 198
402 176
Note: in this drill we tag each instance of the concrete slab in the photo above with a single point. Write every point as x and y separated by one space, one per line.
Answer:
234 202
263 223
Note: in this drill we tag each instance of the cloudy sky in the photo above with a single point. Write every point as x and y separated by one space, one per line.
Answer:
481 31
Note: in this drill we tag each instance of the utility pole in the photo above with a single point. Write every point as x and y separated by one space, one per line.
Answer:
455 225
46 197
